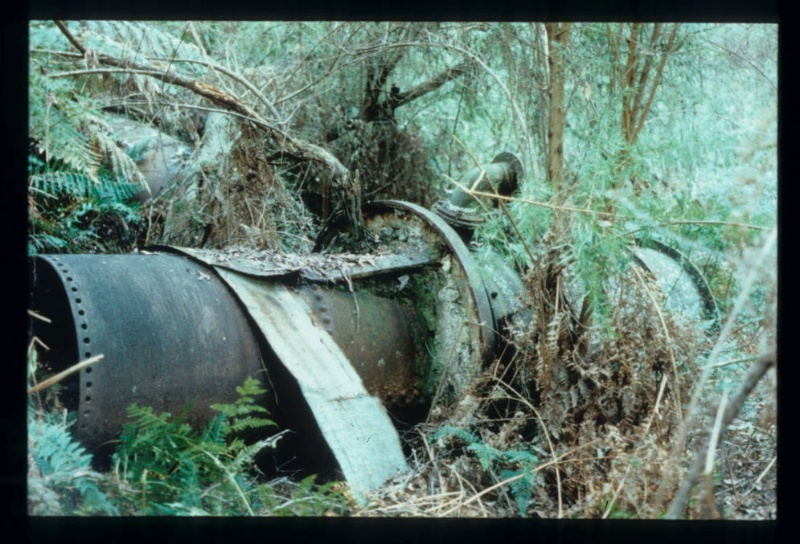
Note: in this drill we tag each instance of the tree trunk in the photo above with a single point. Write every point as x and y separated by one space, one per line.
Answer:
557 39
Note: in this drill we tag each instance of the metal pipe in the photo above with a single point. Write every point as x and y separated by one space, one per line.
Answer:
502 176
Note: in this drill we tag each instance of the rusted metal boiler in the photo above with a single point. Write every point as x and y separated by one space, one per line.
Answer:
349 339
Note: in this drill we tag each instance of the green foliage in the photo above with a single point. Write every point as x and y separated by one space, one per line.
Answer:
53 180
239 416
61 479
79 176
71 212
305 498
164 467
167 463
445 431
516 465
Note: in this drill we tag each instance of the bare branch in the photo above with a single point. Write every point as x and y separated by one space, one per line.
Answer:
644 73
756 372
433 84
237 77
656 82
557 38
65 374
64 30
299 149
289 145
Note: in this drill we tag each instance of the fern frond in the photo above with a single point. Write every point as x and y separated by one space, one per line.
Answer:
521 488
523 457
145 418
244 423
54 450
250 387
64 465
122 164
214 432
487 455
59 138
447 431
54 182
243 413
246 454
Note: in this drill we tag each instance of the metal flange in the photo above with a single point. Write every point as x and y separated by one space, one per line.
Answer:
455 321
478 302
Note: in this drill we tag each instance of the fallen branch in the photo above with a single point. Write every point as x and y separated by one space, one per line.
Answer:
756 372
429 86
299 149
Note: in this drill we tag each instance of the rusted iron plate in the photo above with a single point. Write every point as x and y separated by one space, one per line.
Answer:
505 290
502 175
455 324
355 425
375 335
314 267
170 331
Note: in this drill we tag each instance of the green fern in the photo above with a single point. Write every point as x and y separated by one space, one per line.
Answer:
521 488
244 413
164 462
487 455
67 130
506 464
55 179
304 498
62 466
60 475
446 431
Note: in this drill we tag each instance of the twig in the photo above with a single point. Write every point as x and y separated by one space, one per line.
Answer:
668 341
722 223
622 480
39 316
518 119
61 375
724 334
761 476
756 372
715 432
516 477
535 203
289 145
436 475
241 79
461 487
749 61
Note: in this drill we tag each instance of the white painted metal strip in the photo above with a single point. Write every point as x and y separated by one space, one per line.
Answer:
354 424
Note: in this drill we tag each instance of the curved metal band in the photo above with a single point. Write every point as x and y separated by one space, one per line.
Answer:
479 297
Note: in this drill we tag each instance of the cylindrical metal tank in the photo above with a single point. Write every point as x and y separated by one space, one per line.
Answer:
169 330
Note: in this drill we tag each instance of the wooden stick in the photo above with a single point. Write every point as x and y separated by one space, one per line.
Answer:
38 316
61 375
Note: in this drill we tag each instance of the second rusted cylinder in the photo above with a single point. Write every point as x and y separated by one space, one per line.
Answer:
375 334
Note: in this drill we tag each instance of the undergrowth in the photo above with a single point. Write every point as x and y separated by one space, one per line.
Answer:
69 212
162 466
